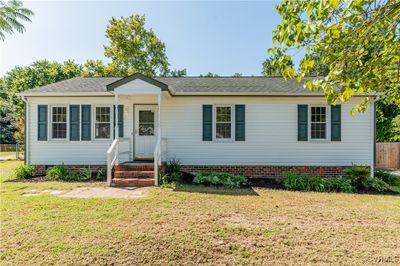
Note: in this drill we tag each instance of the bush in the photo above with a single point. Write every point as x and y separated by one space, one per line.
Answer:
101 173
358 175
219 179
25 171
388 178
172 172
376 185
57 172
85 174
298 181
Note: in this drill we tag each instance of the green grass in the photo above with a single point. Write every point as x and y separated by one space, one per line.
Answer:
195 225
4 153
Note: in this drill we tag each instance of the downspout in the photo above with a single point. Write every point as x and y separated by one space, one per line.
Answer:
373 135
26 125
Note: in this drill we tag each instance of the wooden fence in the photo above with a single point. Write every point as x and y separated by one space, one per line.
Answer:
8 147
388 155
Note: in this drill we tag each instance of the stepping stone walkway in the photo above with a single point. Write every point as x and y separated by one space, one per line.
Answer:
94 192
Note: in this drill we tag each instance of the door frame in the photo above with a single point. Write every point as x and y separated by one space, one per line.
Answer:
133 129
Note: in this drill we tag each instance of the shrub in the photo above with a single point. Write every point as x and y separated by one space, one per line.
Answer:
388 178
57 172
219 179
101 173
358 175
339 184
25 171
173 171
297 181
377 185
85 174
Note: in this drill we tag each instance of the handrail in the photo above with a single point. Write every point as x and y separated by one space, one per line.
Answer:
157 160
113 160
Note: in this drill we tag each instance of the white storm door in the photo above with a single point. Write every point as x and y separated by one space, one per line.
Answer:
145 130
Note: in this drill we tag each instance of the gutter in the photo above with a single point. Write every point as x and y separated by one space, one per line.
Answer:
373 135
26 125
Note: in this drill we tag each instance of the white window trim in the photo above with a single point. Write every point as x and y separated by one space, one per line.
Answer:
327 121
94 122
232 138
50 119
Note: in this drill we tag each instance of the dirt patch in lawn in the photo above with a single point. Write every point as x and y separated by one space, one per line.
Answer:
92 192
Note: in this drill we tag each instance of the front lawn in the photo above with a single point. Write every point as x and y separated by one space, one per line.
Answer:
191 225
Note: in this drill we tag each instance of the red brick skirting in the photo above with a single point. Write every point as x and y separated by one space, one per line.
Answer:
268 171
41 169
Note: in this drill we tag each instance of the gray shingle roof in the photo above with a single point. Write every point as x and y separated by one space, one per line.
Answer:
186 86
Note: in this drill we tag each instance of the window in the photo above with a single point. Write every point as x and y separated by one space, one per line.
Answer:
223 127
103 122
146 123
318 122
59 122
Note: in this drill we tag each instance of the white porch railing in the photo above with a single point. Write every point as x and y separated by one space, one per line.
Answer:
113 154
157 160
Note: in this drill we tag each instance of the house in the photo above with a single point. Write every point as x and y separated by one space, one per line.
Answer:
254 126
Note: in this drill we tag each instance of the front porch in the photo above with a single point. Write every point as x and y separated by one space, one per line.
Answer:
134 156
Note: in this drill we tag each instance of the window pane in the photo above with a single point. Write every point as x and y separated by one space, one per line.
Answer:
146 123
102 130
59 122
59 130
318 122
224 114
223 131
103 114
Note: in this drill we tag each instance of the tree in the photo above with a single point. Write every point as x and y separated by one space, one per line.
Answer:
387 120
133 48
178 73
20 79
96 68
10 16
270 69
320 69
237 74
358 40
209 75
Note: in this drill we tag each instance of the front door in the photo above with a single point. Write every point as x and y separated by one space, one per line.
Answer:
145 131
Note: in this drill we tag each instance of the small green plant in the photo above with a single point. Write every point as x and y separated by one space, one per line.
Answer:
25 171
219 179
101 173
165 181
57 172
298 181
85 174
173 171
388 178
377 185
358 175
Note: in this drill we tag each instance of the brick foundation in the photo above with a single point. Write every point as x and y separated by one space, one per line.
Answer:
41 169
268 171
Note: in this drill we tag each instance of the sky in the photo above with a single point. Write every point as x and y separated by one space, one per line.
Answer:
220 37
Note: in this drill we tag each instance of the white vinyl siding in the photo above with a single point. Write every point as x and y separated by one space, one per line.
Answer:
271 133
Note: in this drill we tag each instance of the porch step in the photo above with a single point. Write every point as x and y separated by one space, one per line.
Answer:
132 182
134 167
133 174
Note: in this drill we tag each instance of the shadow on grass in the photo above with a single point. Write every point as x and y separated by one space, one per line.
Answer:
248 191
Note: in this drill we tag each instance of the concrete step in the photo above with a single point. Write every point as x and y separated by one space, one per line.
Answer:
132 182
134 167
133 174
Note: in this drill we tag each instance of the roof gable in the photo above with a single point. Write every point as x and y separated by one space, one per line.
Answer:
137 76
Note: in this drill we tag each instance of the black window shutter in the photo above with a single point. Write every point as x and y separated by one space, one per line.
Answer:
74 122
86 122
207 122
240 119
336 120
42 122
120 121
302 122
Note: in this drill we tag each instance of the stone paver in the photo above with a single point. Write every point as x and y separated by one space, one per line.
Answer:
94 192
